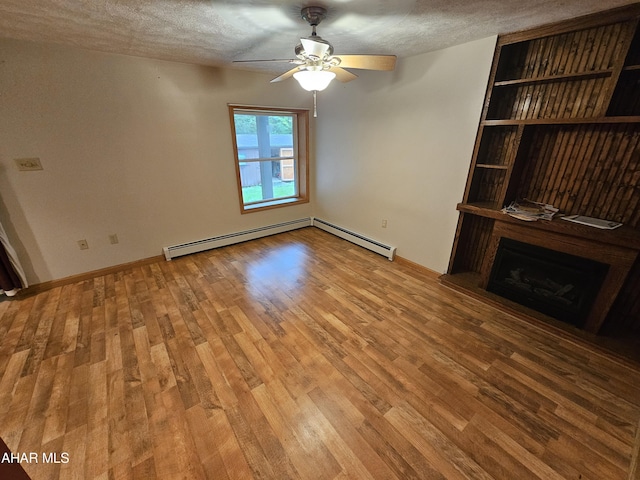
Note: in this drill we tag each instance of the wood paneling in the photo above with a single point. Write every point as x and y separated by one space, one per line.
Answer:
585 170
302 356
596 49
498 146
579 98
474 240
487 185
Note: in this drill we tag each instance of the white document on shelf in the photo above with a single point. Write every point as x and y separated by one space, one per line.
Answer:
593 222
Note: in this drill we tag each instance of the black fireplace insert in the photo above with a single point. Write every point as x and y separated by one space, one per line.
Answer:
557 284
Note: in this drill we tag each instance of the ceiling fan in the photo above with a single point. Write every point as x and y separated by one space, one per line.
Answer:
316 65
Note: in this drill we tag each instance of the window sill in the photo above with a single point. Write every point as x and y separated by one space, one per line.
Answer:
285 202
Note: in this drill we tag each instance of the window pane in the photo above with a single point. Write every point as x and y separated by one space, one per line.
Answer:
263 135
268 180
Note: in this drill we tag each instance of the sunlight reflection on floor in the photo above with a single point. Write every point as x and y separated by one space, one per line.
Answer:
282 264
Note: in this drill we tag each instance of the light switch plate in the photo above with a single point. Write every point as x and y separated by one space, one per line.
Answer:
28 164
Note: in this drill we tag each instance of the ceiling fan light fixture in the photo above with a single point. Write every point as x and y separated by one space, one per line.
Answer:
312 80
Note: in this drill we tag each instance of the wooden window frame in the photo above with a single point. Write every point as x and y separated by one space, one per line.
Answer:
301 154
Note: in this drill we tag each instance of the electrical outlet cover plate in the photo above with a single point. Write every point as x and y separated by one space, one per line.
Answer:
28 164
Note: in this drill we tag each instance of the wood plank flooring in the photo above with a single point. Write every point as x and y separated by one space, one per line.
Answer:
302 356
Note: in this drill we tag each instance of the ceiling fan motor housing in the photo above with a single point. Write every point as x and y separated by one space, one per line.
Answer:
313 15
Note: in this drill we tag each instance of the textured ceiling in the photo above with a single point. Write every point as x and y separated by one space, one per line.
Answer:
216 32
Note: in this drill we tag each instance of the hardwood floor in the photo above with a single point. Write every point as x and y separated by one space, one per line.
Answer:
302 356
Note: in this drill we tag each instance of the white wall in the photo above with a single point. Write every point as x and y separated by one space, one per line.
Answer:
136 147
397 146
141 148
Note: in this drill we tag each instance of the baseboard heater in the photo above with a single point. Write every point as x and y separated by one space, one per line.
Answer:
361 240
238 237
231 238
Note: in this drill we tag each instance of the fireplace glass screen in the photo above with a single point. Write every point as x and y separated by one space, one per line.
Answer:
557 284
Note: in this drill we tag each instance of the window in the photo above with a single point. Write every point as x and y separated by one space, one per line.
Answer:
271 155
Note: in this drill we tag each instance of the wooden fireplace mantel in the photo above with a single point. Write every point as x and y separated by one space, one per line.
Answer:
564 237
623 236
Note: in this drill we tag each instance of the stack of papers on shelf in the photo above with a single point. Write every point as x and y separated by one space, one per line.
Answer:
593 222
530 211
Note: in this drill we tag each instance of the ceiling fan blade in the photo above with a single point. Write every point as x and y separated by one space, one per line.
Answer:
367 62
342 75
286 75
282 60
313 48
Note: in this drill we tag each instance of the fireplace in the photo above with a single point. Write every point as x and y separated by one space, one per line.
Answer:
557 284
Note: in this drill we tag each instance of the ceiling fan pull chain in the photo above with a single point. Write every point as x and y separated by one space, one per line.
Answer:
315 104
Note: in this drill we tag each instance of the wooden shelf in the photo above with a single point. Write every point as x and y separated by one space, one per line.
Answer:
623 236
554 78
489 165
564 121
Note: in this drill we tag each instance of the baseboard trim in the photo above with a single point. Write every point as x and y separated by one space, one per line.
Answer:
44 286
417 267
81 277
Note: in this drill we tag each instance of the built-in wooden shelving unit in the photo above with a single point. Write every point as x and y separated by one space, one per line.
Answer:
561 125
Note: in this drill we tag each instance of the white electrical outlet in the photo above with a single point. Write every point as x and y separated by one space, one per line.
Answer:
113 238
83 244
384 224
